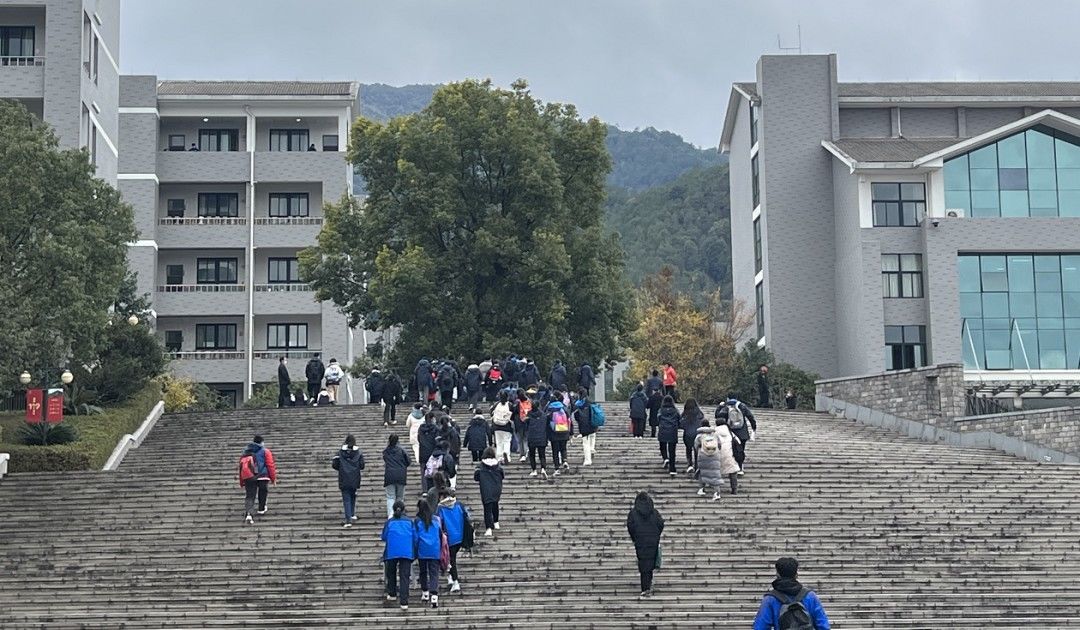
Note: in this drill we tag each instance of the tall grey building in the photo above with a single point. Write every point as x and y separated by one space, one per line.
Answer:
228 181
881 226
60 58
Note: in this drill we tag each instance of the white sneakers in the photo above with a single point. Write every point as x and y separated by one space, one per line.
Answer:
249 520
434 601
716 496
346 525
664 465
524 458
701 492
263 511
496 525
488 532
533 473
425 596
689 469
455 587
543 473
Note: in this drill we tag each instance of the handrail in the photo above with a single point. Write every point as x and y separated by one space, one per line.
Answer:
1020 338
205 355
284 287
201 288
288 354
4 457
134 440
288 220
202 221
971 341
22 61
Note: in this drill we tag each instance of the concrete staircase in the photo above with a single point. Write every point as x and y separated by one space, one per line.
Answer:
893 533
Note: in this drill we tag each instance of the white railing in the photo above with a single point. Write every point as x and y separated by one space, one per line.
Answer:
200 288
134 440
22 61
288 220
4 457
206 355
202 221
285 288
288 354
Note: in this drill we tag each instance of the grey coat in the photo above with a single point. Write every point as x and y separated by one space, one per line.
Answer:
714 468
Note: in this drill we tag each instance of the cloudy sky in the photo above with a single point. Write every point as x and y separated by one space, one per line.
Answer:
634 63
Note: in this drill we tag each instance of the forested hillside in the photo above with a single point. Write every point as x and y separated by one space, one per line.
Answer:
649 157
383 102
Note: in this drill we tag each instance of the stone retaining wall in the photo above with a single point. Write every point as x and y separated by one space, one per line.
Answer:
1057 428
932 395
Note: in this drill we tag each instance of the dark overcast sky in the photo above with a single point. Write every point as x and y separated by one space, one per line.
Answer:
634 63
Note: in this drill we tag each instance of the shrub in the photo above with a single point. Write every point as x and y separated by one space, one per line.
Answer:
207 399
130 356
782 376
45 434
265 396
47 458
178 392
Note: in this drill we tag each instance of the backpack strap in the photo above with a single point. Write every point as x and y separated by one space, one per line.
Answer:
780 597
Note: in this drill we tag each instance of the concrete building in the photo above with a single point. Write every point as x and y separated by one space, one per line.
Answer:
60 58
228 181
880 226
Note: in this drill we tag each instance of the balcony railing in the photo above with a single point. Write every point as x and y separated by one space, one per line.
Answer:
206 355
22 61
288 220
200 288
203 221
288 354
287 288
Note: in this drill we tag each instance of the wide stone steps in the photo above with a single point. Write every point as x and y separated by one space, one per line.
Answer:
894 533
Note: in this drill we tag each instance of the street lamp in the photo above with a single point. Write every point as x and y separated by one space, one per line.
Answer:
24 378
66 377
133 320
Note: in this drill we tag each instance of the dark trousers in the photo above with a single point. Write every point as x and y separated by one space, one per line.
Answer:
542 452
637 426
558 453
476 455
454 549
251 488
446 398
313 389
691 454
491 514
669 390
283 396
654 417
264 489
738 447
429 576
667 449
646 580
389 413
398 572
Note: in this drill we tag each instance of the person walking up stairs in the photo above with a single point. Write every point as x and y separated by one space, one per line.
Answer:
790 605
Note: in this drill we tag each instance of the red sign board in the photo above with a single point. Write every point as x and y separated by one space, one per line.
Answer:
54 406
35 405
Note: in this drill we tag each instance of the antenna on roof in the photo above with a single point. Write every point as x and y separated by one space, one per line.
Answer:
798 40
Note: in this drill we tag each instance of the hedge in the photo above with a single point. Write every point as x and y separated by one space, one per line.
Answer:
98 436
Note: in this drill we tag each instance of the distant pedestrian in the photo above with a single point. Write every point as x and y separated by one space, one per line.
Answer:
412 423
248 474
427 540
284 382
440 460
398 533
477 438
671 381
521 413
427 436
502 424
474 381
691 420
374 385
264 462
740 420
395 472
536 437
791 400
334 376
790 604
348 463
639 410
585 377
489 476
391 397
314 372
557 377
560 427
645 525
446 381
424 382
668 433
715 460
583 418
763 387
654 391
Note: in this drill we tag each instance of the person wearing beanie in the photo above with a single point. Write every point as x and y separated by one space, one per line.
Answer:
477 438
804 609
490 477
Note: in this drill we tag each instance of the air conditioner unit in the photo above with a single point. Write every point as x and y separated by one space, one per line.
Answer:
955 213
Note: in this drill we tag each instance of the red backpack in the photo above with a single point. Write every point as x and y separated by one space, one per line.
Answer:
248 469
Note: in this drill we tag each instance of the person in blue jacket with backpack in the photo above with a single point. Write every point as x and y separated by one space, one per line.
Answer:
398 533
427 544
455 522
789 604
588 423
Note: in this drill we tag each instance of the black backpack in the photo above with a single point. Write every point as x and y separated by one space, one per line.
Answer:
793 614
446 378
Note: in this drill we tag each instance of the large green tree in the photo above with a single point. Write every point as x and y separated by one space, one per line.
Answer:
482 231
63 247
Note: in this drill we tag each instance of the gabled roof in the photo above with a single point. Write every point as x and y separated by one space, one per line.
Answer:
961 89
344 89
1048 117
890 149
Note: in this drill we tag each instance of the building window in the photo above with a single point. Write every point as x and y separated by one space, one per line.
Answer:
759 296
219 204
901 275
286 336
1020 311
216 271
176 142
288 204
898 205
289 140
755 112
174 340
755 180
16 41
219 140
174 208
905 347
283 271
89 133
757 245
174 274
215 336
1032 173
330 142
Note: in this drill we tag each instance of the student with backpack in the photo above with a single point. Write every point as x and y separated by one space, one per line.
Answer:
639 410
559 427
490 477
427 542
691 420
521 412
654 392
395 472
248 474
391 397
668 434
348 463
790 605
502 419
334 375
714 459
536 437
740 420
477 438
455 522
446 381
264 462
398 534
645 525
440 460
427 435
412 423
585 416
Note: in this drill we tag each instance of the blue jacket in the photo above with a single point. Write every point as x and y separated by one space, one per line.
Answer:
398 534
769 613
427 541
452 514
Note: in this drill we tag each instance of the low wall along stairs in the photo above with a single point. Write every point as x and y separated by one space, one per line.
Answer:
892 532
